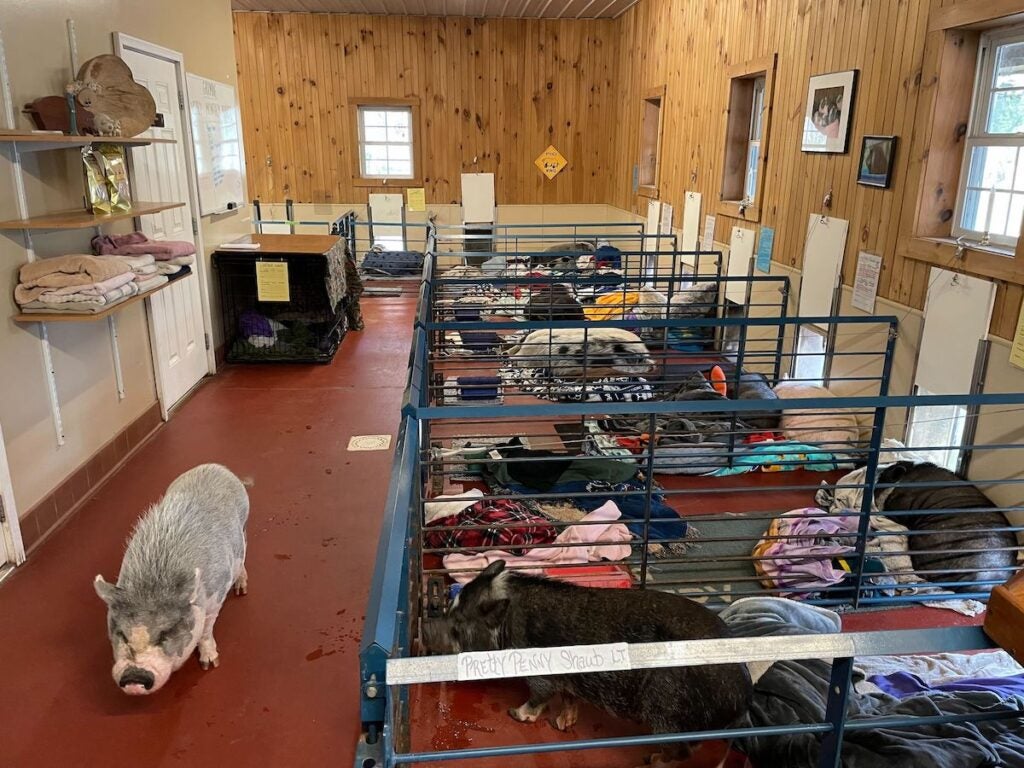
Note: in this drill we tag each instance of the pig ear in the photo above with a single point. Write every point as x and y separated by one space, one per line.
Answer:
195 587
493 569
107 592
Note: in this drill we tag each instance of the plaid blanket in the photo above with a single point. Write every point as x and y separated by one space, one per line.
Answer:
496 524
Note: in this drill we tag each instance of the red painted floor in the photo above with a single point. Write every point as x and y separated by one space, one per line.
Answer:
285 691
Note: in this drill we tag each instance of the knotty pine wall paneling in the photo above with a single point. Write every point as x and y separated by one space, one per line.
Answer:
493 95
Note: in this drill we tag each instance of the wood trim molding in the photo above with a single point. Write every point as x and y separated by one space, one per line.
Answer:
975 260
418 142
976 14
45 517
658 92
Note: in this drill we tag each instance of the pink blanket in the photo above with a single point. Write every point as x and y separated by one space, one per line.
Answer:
584 542
137 244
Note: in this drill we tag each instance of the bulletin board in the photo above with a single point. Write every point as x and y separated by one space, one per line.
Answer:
217 138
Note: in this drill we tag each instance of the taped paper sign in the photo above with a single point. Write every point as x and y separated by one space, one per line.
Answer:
416 198
272 281
551 162
527 662
865 283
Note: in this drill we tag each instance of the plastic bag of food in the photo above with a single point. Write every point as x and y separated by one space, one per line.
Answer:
116 171
97 194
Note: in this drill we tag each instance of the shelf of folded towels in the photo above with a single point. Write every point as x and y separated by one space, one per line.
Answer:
42 140
83 287
79 219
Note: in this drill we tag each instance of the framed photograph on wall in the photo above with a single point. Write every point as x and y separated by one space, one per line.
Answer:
876 160
829 113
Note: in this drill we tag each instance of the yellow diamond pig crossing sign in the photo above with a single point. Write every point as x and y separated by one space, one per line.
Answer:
550 162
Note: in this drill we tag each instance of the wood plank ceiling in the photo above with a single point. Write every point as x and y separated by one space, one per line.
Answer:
531 9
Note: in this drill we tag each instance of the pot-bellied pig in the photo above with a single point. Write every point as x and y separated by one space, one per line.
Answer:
184 556
500 610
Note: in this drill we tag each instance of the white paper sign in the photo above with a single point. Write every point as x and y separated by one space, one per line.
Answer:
526 662
666 218
708 242
691 221
865 284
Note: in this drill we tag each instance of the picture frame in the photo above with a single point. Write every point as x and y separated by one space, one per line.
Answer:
877 158
828 116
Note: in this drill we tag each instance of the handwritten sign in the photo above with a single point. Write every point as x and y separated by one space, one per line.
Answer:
272 281
551 162
765 241
417 198
526 662
1017 350
865 283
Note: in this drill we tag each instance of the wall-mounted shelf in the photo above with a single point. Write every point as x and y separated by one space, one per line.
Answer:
83 219
89 317
40 142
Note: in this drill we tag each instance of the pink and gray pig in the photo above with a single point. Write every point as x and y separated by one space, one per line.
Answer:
184 556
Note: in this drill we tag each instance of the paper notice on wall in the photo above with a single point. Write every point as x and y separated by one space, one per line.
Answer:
1017 350
765 241
416 198
666 218
691 222
708 241
272 281
529 662
865 284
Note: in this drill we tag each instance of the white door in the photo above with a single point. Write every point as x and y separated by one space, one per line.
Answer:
161 174
12 550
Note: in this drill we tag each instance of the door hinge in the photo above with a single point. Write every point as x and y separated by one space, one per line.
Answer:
195 226
181 100
3 513
206 337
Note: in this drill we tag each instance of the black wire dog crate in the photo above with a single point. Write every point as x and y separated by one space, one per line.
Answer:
305 324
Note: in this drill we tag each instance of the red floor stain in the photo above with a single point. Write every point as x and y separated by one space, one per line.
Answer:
269 703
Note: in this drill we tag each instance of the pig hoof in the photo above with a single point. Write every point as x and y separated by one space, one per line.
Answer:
242 583
526 713
241 589
568 716
207 663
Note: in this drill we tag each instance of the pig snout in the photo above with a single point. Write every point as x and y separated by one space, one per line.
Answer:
136 682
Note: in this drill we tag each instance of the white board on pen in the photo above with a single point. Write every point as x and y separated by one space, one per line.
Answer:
957 313
653 225
217 138
741 251
477 198
823 265
386 209
690 226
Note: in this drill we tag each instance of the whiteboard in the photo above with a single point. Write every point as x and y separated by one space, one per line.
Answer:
478 198
823 263
217 138
387 209
956 316
741 251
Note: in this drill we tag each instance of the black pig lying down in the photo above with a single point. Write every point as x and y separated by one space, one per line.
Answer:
500 610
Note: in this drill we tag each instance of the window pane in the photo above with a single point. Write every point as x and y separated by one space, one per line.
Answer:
1016 215
1010 66
936 432
810 361
1000 213
1006 114
399 118
398 134
753 155
376 167
374 117
975 216
375 134
997 165
399 152
375 151
400 168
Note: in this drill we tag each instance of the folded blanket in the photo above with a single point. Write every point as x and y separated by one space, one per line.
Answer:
578 544
97 304
73 269
166 268
136 243
182 261
135 262
92 289
153 282
144 273
492 523
109 297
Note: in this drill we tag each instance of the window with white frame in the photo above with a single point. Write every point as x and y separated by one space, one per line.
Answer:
936 432
386 142
990 203
754 141
811 355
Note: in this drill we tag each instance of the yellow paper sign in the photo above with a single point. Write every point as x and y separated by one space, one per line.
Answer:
1017 350
551 162
272 281
416 198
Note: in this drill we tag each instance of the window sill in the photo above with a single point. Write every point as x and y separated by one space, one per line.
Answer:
736 210
990 261
386 183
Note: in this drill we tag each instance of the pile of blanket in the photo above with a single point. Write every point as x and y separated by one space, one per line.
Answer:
74 283
167 257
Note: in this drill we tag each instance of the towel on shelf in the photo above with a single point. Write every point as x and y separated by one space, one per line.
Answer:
83 303
166 268
182 261
135 262
136 243
153 282
38 277
23 295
